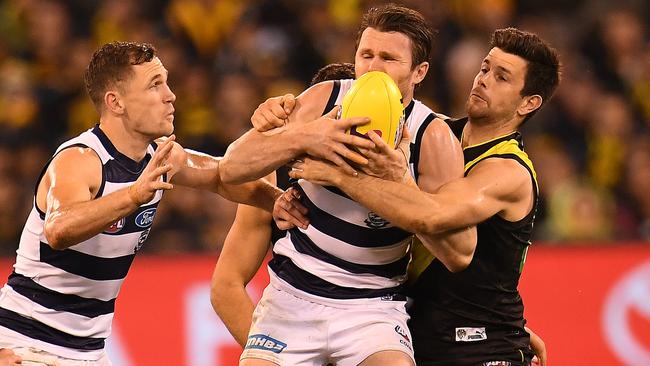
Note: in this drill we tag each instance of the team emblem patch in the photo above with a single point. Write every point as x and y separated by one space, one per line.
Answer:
470 334
115 227
375 221
264 342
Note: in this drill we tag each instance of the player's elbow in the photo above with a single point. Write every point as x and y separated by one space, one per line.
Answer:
216 297
424 225
219 293
56 236
458 263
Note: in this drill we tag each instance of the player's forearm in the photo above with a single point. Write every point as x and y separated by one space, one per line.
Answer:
256 154
455 248
235 308
259 193
402 204
70 225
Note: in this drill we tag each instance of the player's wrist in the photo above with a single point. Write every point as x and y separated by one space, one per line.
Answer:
133 195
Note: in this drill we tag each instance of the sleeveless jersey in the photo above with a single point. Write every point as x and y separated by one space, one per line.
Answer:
347 252
66 298
474 315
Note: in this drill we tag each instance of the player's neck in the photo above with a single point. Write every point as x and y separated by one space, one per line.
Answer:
479 131
129 143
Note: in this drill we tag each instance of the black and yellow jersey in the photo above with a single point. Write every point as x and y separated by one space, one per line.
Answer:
470 317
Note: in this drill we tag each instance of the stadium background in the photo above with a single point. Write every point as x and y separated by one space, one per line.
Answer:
587 281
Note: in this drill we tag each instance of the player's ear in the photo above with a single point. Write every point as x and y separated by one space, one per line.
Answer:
529 104
113 102
419 72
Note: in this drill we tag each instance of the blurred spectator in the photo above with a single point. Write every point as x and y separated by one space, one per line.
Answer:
590 144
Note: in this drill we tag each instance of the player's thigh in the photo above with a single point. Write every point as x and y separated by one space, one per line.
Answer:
393 358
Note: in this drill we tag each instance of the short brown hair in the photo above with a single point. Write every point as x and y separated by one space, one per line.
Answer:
543 69
395 18
336 71
111 64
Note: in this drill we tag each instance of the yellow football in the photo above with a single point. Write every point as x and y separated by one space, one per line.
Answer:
375 95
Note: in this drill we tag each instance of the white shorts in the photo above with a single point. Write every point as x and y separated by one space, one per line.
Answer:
37 353
291 327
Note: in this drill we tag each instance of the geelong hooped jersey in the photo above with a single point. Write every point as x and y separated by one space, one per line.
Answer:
66 298
348 251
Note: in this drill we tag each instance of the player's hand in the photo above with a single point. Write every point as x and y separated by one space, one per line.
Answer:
316 171
539 348
273 112
288 212
326 138
9 358
150 181
385 162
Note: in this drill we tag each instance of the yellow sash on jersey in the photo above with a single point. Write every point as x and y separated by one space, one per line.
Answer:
421 257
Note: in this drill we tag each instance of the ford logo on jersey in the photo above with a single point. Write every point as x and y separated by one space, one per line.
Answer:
145 218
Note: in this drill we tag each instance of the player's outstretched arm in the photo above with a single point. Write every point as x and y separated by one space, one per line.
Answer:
256 153
491 187
243 251
70 184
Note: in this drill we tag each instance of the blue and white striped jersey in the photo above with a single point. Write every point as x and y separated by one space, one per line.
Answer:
347 252
66 298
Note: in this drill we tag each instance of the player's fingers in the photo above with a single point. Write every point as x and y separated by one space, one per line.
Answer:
163 151
283 224
260 124
353 156
289 102
159 171
346 123
295 174
380 144
161 186
294 193
293 215
297 165
358 141
372 156
295 204
345 166
278 110
271 119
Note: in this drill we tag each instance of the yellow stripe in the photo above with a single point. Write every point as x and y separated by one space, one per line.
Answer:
506 147
421 257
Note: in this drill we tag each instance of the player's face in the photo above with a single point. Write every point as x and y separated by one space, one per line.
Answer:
389 52
148 100
496 90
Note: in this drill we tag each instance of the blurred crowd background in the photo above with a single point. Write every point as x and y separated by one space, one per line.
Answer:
590 144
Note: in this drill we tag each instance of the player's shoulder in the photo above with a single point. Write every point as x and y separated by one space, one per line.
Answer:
318 91
502 169
76 162
77 154
439 130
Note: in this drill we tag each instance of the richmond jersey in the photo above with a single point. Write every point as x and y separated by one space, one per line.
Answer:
476 316
348 251
64 299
